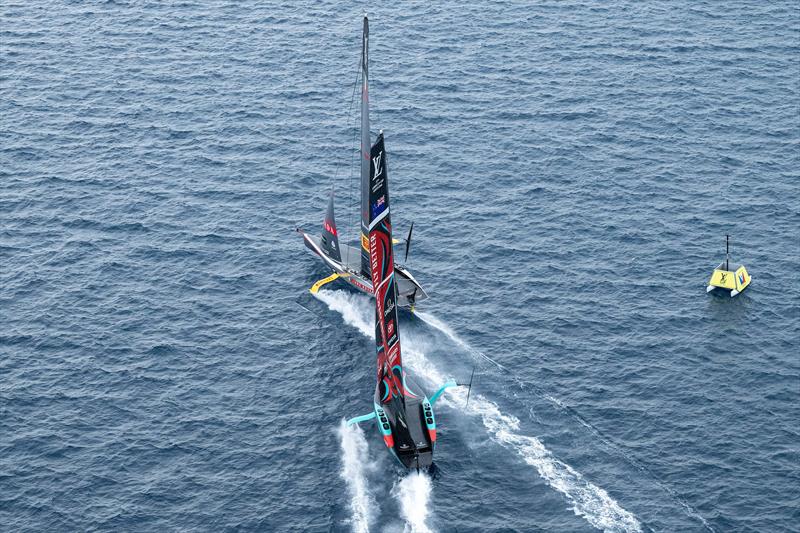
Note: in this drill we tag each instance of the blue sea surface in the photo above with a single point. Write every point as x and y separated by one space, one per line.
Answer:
571 169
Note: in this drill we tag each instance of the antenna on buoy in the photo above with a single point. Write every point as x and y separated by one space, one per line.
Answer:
723 277
727 253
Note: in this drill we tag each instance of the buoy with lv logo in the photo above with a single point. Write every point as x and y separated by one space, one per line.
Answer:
729 276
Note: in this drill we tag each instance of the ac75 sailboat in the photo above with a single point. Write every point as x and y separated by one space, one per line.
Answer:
351 263
404 414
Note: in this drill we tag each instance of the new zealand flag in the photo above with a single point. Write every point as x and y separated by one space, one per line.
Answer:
378 207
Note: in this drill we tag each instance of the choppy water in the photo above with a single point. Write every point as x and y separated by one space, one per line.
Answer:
571 169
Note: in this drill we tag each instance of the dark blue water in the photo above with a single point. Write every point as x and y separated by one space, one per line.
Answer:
571 169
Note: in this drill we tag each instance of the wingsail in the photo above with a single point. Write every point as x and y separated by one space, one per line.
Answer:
351 260
387 339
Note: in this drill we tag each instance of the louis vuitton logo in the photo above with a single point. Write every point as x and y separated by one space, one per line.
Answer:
376 162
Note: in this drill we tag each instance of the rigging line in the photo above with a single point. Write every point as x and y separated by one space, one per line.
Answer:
350 181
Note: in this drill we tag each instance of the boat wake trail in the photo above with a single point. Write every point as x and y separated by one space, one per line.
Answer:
354 453
608 443
440 325
587 499
352 308
413 493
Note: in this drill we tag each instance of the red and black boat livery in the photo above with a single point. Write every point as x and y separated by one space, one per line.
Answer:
352 263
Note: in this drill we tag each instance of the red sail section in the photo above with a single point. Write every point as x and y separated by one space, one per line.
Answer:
387 336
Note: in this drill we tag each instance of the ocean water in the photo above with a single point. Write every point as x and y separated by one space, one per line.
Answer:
571 169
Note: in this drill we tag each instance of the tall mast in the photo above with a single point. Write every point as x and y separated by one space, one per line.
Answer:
365 149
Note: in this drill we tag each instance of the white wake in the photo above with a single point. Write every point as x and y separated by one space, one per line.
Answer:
434 322
413 493
351 307
444 328
587 499
354 459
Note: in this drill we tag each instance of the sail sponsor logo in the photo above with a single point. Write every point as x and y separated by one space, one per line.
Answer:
329 228
393 354
389 308
373 256
377 172
378 169
352 281
377 324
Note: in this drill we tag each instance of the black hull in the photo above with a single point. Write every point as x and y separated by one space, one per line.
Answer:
422 461
413 446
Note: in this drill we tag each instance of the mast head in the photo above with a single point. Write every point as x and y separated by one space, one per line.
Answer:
727 253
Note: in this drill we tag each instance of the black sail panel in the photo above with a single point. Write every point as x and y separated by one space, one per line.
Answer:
378 188
330 239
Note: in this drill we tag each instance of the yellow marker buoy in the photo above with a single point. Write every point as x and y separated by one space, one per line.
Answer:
729 276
